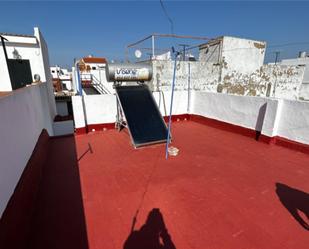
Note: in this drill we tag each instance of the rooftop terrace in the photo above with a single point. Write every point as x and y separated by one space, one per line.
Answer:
223 190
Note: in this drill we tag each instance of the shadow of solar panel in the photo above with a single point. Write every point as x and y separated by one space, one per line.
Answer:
144 120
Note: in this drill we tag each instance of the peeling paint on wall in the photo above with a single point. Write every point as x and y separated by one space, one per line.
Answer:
259 45
269 81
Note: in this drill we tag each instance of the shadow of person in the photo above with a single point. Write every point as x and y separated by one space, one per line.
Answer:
295 201
152 235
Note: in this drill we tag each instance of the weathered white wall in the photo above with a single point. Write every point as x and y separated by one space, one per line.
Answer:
304 92
203 76
278 81
234 54
269 81
297 62
211 52
242 55
304 89
24 114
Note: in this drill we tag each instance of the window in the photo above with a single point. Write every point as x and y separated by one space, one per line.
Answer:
94 68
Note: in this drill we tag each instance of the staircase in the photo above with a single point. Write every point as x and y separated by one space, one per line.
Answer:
90 81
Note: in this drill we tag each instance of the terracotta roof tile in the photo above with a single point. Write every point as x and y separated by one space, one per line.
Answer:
94 60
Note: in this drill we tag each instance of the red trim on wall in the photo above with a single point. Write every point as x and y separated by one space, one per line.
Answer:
223 125
280 141
97 127
293 145
15 226
219 125
176 118
81 130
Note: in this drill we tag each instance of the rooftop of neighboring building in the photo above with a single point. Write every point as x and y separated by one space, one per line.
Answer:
95 60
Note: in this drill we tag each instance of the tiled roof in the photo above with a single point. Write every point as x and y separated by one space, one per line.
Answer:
94 60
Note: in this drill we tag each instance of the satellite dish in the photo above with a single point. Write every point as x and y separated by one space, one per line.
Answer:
138 53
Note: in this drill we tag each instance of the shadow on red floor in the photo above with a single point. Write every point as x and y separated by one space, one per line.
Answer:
54 215
152 235
295 201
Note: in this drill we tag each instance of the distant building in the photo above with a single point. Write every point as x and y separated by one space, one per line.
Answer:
238 54
23 60
62 79
302 60
93 77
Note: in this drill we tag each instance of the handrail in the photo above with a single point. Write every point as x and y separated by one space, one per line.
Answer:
96 83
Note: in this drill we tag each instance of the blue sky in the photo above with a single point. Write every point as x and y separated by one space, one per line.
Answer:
74 29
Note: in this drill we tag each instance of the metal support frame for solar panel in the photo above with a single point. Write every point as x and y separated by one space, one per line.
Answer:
140 98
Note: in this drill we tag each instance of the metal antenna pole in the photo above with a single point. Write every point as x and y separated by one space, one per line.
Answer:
153 46
171 107
184 46
277 56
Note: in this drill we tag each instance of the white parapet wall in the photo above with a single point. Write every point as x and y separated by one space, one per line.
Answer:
254 113
272 117
269 116
102 109
24 114
294 121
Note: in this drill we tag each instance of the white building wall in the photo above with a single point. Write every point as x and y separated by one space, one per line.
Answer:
304 88
24 114
242 55
29 49
5 82
35 50
44 66
296 62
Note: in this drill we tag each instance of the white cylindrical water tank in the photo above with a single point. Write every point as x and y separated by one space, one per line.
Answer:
128 72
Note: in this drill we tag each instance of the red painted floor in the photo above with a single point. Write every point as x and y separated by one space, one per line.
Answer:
219 192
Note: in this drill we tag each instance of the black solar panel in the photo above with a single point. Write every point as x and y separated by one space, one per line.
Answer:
143 117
